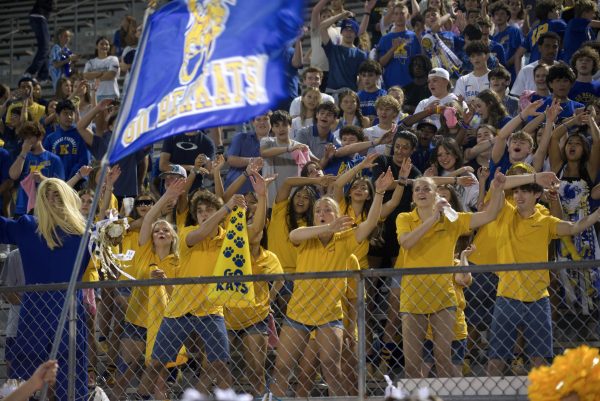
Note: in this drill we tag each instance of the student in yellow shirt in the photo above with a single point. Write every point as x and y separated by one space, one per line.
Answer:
293 208
189 311
250 324
431 299
157 256
522 299
317 304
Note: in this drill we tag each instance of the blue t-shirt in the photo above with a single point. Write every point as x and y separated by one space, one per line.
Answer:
510 39
530 41
70 147
367 101
585 92
396 71
244 144
504 164
343 65
46 163
578 31
568 107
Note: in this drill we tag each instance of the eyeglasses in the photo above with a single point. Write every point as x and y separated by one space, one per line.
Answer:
144 202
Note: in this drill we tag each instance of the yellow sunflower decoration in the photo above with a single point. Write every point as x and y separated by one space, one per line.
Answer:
573 375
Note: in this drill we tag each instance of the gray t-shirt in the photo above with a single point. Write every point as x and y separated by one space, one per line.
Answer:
310 137
13 275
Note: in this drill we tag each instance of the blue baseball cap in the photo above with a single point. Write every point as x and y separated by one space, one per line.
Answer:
350 23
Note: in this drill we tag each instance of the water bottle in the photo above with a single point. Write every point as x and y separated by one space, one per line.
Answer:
450 213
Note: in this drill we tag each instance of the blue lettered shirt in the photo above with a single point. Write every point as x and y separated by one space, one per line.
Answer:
530 42
585 92
343 65
367 101
510 39
396 71
46 163
578 31
70 147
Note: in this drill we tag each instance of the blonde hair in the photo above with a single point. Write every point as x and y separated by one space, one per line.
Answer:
332 202
174 250
63 214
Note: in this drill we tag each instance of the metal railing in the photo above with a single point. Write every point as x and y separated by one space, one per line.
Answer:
372 299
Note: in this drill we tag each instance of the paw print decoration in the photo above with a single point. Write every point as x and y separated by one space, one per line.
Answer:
230 234
227 252
239 242
238 260
239 226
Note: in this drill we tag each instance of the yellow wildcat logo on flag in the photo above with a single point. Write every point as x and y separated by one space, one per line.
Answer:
234 260
207 22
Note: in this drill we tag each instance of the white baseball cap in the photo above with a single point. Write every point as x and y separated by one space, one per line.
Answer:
439 72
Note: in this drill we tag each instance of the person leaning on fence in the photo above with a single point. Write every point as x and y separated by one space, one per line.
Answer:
431 299
48 242
317 304
522 297
189 310
157 256
250 324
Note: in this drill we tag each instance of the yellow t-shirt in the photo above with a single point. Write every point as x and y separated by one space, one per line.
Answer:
424 294
363 249
35 110
460 325
279 237
240 318
197 261
316 302
524 240
180 220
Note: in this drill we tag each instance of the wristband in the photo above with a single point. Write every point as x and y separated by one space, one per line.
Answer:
534 178
380 193
455 180
22 157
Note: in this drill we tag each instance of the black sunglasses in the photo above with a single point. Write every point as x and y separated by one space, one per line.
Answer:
144 202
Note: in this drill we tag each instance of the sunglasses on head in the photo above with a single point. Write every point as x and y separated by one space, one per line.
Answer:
144 202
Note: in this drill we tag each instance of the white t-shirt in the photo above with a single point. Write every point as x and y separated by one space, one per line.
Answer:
297 103
298 124
525 80
445 100
105 88
373 133
468 86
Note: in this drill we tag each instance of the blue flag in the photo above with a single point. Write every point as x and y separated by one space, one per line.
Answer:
205 63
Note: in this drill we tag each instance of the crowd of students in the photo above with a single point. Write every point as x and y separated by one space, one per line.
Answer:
358 170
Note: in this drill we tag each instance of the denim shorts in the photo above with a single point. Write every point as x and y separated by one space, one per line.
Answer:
134 332
533 317
459 349
309 327
174 331
287 289
481 297
261 327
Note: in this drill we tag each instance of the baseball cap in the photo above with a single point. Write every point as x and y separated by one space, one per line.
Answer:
426 121
439 72
174 169
350 23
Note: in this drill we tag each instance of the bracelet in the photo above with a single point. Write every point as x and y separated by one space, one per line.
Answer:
400 183
196 171
79 174
521 117
22 157
534 178
373 144
455 180
227 208
380 193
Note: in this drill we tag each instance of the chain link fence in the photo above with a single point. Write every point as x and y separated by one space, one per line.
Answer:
318 334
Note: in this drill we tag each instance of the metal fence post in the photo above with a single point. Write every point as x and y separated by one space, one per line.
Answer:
362 352
72 345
